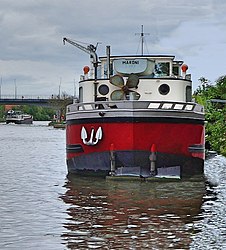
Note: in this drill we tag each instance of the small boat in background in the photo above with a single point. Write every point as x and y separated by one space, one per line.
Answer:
17 117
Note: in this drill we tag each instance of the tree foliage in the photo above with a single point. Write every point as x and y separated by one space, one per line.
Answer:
2 112
38 113
61 104
215 116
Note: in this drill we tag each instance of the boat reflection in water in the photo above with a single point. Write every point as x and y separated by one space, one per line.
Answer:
106 214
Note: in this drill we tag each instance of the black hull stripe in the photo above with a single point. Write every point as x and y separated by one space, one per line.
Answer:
74 148
196 148
135 120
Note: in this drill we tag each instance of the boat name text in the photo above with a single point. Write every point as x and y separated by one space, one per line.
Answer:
130 62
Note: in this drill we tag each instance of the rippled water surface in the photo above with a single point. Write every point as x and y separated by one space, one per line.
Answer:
43 208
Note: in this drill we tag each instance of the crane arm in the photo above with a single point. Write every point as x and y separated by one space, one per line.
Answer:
90 49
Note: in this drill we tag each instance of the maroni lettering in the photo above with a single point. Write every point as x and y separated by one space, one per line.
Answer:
130 62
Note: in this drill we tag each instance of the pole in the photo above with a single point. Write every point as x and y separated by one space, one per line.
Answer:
59 88
112 160
142 34
142 40
15 89
108 52
152 158
74 89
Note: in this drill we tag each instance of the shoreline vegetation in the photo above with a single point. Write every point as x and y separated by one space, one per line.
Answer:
211 96
38 113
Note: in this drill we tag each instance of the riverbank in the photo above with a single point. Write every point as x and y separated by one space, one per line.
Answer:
212 97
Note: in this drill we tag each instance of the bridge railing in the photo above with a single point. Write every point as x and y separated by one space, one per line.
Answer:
28 97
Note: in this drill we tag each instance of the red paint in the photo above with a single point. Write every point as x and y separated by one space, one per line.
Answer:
167 137
153 148
112 147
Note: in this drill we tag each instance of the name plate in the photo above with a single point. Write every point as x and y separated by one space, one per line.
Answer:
135 66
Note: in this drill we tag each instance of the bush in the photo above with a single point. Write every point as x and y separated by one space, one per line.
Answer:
215 112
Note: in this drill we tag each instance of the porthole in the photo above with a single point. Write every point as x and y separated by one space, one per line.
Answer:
164 89
103 89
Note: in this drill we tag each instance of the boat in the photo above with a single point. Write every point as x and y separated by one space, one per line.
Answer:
18 117
61 125
58 124
135 118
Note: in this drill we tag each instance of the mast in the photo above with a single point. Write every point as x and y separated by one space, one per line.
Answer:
142 40
142 34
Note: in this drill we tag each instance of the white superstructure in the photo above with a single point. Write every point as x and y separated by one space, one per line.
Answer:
160 78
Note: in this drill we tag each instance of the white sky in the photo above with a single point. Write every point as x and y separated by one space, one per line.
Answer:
34 59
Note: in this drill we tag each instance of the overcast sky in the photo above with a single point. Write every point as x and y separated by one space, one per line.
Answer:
34 59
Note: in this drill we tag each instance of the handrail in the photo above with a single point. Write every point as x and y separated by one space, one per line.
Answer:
150 105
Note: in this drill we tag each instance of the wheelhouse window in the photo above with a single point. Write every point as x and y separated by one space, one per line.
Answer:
188 94
162 69
176 71
106 70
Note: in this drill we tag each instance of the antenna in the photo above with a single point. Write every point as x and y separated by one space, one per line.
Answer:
142 34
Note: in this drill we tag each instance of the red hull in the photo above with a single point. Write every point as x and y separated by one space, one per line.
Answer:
169 138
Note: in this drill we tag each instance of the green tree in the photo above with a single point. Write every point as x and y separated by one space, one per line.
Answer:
215 112
2 113
61 104
39 113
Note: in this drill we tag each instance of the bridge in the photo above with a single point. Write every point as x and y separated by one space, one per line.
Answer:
47 101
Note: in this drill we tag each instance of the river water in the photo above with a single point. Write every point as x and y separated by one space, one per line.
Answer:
43 208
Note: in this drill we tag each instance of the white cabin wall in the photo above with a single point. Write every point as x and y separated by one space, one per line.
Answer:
149 90
88 91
